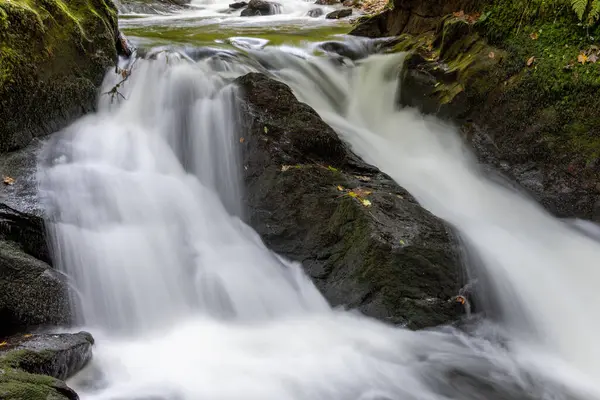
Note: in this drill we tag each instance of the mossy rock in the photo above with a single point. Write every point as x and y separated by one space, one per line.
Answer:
53 56
20 385
365 242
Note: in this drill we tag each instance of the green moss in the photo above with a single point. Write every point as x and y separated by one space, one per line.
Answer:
46 46
19 385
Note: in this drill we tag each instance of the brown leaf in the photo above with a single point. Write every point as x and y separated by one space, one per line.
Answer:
362 192
242 140
593 58
530 61
8 180
472 18
492 54
582 58
459 14
534 36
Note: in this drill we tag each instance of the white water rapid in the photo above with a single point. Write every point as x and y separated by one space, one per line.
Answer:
186 303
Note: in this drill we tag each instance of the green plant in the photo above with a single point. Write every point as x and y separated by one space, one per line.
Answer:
586 10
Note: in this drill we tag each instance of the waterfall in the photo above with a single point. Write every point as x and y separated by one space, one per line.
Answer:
187 303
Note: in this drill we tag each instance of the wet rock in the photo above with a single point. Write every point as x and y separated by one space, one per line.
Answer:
327 2
48 81
315 12
389 258
261 7
56 355
350 3
238 5
342 49
31 292
337 14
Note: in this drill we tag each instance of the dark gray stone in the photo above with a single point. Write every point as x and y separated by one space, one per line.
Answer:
337 14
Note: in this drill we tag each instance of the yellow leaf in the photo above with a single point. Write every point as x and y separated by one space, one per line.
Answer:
242 140
492 54
582 58
285 167
366 203
402 242
534 36
27 335
3 344
329 167
266 129
8 180
530 61
362 192
340 188
352 194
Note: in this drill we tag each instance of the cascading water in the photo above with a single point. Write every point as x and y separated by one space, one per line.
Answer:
187 303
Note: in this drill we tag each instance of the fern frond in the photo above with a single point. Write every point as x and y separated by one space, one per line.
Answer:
579 7
594 13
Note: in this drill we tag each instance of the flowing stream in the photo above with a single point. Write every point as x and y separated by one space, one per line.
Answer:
187 303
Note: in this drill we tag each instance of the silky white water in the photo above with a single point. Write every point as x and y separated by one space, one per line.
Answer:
186 302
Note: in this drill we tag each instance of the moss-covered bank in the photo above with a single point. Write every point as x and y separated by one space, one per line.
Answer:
53 55
521 79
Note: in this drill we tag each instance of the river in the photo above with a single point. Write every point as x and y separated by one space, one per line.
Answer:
187 303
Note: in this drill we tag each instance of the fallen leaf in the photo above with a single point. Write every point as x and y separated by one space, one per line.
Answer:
242 140
3 344
534 36
363 178
582 58
402 242
266 129
124 73
459 14
285 167
530 61
352 194
366 203
461 299
593 58
400 197
340 188
27 335
8 180
362 192
492 54
329 167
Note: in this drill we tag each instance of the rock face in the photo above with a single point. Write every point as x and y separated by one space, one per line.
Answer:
32 293
261 7
54 56
364 241
411 16
337 14
31 365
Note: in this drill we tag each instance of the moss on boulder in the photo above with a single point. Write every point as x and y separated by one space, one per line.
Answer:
53 56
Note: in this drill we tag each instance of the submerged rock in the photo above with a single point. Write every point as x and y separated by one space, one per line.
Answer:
364 241
56 355
315 12
261 7
54 57
327 2
337 14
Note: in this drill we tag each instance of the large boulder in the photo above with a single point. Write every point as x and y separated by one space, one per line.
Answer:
364 240
261 7
54 56
337 14
31 365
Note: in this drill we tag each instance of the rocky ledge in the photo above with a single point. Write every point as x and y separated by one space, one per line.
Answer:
364 241
32 367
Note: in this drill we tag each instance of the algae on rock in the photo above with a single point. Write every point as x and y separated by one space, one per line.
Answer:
53 56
